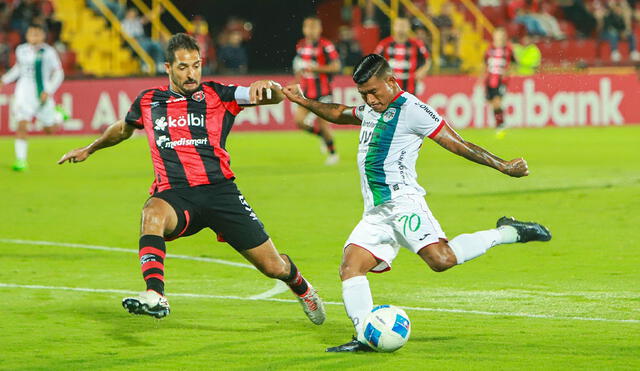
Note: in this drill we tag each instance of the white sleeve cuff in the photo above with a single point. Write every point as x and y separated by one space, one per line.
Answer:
242 95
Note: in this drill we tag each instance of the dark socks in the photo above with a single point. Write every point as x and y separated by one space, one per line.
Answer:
295 281
498 113
152 253
328 142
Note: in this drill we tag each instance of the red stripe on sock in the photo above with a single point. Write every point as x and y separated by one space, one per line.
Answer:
155 275
298 280
152 264
151 250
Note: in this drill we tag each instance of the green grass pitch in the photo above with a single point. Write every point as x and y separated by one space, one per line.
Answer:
572 303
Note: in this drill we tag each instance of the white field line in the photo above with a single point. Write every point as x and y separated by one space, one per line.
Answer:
119 249
278 288
253 298
506 293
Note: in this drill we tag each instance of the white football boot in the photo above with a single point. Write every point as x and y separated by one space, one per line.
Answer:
313 306
332 159
149 302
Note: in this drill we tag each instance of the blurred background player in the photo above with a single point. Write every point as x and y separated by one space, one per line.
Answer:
497 59
315 62
39 74
407 56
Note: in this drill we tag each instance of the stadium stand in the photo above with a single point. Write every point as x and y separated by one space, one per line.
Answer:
568 32
90 39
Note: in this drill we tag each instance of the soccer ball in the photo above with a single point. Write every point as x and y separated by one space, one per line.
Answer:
387 328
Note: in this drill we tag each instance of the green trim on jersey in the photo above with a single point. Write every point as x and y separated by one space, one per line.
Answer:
377 153
38 70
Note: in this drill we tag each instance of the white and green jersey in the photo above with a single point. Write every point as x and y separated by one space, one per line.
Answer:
389 146
37 69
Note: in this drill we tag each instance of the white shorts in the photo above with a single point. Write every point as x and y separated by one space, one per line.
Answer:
27 109
405 221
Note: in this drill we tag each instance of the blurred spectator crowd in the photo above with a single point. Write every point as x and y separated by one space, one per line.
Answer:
611 25
15 17
605 24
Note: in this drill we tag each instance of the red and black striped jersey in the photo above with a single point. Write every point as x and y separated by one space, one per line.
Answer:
404 58
187 135
319 53
498 61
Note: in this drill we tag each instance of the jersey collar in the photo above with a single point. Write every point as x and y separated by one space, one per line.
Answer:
397 96
180 95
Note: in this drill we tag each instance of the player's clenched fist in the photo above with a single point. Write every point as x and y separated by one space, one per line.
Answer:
76 155
294 93
517 168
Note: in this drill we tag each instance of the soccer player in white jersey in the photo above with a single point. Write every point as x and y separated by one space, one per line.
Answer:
393 125
39 74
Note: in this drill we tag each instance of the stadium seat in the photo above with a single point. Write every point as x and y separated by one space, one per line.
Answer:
14 39
568 29
497 15
515 30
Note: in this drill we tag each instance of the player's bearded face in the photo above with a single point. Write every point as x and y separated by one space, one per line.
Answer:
185 72
379 92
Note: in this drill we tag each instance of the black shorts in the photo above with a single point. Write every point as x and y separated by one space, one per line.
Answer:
220 207
498 91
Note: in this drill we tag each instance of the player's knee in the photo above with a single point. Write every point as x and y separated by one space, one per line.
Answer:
153 218
439 257
443 262
348 270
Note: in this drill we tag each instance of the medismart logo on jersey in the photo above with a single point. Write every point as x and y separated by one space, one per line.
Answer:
189 120
165 142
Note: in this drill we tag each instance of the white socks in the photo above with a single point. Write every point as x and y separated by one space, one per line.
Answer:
358 302
471 245
21 149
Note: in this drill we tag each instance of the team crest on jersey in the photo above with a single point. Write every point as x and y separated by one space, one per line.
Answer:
161 124
389 115
198 96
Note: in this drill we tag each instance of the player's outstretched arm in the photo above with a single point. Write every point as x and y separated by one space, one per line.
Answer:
452 141
333 112
114 134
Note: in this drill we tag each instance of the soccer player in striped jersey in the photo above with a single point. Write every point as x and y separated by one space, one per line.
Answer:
498 60
394 124
315 62
39 74
407 56
187 124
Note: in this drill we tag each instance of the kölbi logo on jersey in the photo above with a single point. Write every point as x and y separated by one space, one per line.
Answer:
189 120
